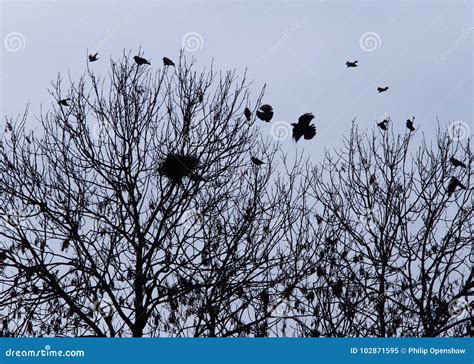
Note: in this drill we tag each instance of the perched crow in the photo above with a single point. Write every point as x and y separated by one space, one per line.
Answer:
303 127
319 219
200 96
93 57
168 62
410 124
457 163
382 89
265 112
256 161
453 184
372 179
64 102
247 113
140 60
383 124
177 166
351 64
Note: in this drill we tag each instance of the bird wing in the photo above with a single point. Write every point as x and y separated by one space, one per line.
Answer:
297 133
306 118
310 132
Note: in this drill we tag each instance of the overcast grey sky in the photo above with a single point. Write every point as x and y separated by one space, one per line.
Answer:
422 50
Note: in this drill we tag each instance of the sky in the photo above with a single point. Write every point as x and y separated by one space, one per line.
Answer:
422 50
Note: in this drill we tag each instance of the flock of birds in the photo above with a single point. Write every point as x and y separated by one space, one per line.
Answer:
176 166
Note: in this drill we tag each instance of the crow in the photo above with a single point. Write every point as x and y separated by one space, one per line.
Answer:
140 60
372 179
200 96
265 112
382 89
64 102
351 64
93 57
168 62
177 166
247 113
453 184
256 161
457 163
303 128
319 219
410 124
383 124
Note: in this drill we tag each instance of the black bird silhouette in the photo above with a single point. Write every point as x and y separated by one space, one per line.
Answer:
319 219
457 163
372 179
140 60
93 57
201 97
256 161
265 112
410 124
351 64
383 124
382 89
64 102
303 127
453 184
247 113
177 166
168 62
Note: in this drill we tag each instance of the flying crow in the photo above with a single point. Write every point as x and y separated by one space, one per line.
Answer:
265 112
382 89
383 124
93 57
303 128
351 64
140 60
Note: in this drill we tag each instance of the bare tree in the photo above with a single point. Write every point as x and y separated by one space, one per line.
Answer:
136 210
397 244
